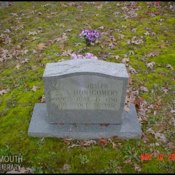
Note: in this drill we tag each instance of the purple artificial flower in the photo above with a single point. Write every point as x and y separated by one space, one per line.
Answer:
90 56
73 56
80 56
90 35
87 56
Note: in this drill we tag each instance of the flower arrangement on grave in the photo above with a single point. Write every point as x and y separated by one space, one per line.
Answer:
90 36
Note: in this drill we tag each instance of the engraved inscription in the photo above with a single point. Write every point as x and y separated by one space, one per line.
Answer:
86 92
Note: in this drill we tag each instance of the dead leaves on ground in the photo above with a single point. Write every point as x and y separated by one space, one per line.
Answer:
66 167
143 89
42 99
34 88
103 142
4 91
5 39
32 33
136 40
153 54
16 53
4 55
132 70
130 10
150 65
169 67
60 39
71 143
158 136
138 102
41 46
21 170
142 108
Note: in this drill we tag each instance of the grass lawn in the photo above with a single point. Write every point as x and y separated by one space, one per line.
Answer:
35 33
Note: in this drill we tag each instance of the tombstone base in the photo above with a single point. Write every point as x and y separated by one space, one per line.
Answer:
130 127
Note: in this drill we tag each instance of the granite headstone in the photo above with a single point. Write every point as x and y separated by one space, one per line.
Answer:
84 99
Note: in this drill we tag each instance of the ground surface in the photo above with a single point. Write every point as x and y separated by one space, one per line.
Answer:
141 35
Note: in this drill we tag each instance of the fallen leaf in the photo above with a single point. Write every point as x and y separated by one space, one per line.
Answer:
125 60
5 39
150 130
147 33
7 31
137 168
150 65
25 51
165 90
158 103
18 66
32 33
131 52
88 142
160 136
111 45
34 38
144 89
34 51
5 55
121 36
171 145
66 53
101 27
42 99
53 13
73 145
41 46
123 26
132 70
4 91
66 167
138 102
145 138
172 121
114 145
116 57
126 108
68 30
135 40
103 142
155 112
151 106
24 61
172 111
21 170
34 88
169 67
152 54
133 30
128 161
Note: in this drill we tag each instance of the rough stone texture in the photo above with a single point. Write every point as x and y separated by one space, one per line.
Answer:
68 67
39 127
85 91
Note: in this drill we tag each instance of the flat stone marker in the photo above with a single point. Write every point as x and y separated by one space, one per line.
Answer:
84 100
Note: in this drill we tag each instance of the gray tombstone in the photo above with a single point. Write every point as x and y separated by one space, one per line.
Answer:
84 100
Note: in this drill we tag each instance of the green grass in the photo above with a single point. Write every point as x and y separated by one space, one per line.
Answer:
49 155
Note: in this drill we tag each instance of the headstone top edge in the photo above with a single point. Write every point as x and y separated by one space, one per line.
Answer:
86 66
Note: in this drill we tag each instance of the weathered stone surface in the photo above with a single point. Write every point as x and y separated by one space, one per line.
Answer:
85 91
39 127
84 100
